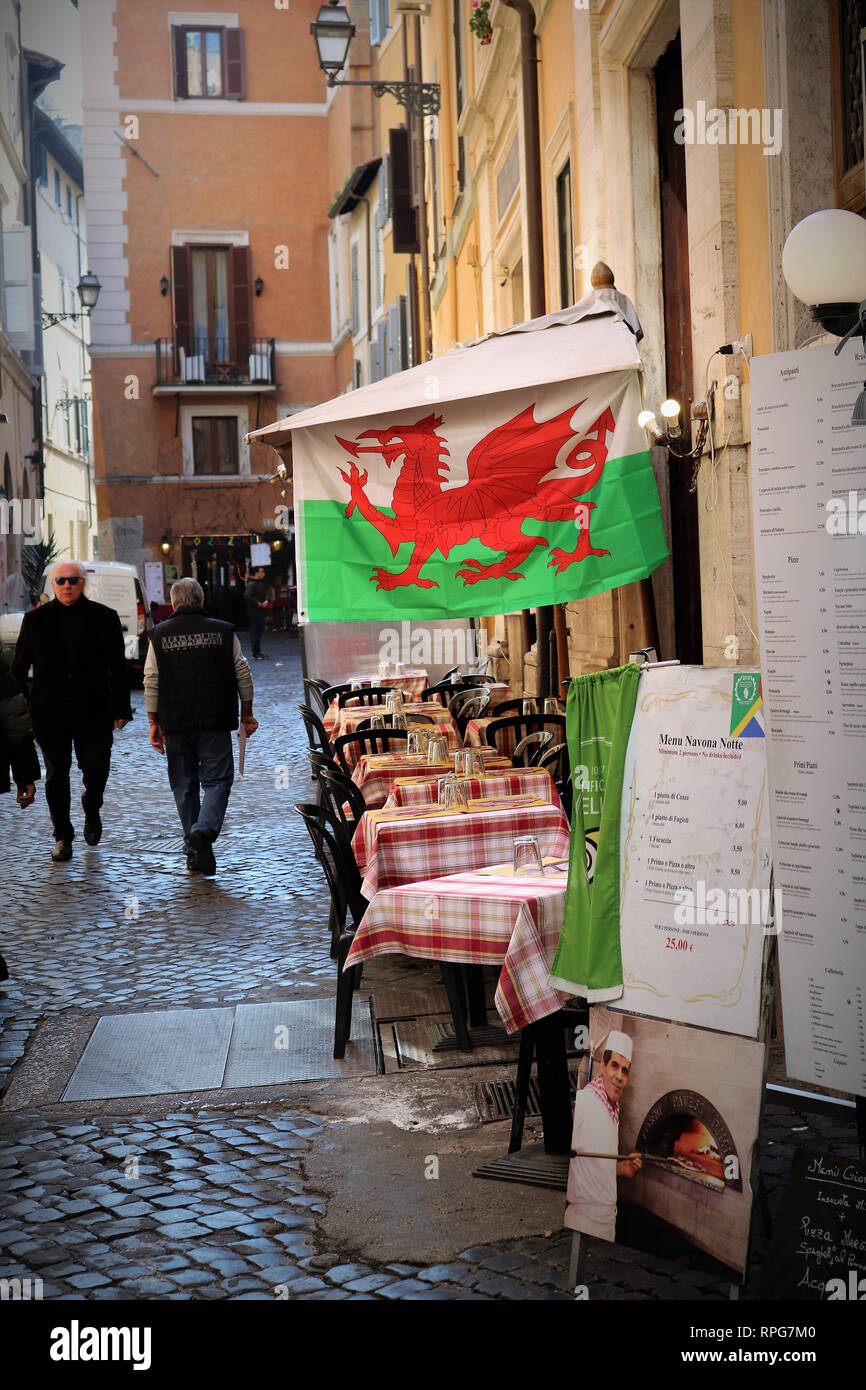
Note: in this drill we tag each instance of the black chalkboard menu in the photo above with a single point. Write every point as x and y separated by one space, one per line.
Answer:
819 1245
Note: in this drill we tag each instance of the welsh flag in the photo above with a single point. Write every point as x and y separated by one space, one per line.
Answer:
448 501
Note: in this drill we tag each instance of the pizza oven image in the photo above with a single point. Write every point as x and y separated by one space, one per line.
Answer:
691 1110
684 1134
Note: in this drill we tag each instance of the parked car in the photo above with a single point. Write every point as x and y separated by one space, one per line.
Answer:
118 587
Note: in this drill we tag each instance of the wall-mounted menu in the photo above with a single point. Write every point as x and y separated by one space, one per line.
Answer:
808 489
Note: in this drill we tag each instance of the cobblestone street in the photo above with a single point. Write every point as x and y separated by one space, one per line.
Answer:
172 1197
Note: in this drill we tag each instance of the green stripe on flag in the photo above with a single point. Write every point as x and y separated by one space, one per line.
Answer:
338 555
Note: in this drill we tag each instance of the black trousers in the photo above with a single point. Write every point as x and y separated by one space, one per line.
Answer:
93 755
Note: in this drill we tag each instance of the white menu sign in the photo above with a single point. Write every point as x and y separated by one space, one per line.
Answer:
695 849
809 520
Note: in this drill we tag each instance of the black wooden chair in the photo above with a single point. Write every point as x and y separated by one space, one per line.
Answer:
315 699
556 760
370 695
505 707
530 748
317 734
331 692
523 724
411 720
337 791
348 907
368 741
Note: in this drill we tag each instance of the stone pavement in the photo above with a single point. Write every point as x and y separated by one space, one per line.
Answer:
166 1199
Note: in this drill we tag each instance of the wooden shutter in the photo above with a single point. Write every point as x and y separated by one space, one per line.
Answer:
403 322
405 222
181 299
241 307
393 341
178 39
233 59
355 289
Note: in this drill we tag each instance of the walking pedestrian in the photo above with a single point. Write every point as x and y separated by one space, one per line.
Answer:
194 673
256 600
18 758
79 695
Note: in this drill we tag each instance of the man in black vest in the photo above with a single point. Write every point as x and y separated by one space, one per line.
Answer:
193 676
80 694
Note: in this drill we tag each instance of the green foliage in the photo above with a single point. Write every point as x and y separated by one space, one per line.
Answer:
35 560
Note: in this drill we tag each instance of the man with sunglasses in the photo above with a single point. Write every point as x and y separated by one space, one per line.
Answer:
79 695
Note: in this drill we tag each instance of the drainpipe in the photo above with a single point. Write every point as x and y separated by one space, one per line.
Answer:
415 125
531 139
531 154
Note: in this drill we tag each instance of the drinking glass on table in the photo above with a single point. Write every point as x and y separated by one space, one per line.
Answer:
384 668
473 762
455 795
398 720
437 749
442 784
460 762
377 721
355 685
530 706
527 856
417 742
551 706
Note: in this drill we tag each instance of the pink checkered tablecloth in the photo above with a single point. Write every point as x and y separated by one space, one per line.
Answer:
414 679
375 773
479 918
412 843
528 781
476 736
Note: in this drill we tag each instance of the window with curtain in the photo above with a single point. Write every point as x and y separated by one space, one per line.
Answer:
208 62
215 444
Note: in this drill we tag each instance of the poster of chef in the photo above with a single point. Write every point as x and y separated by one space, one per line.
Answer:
665 1120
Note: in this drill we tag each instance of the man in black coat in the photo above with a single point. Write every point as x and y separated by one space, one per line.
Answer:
18 758
194 676
80 693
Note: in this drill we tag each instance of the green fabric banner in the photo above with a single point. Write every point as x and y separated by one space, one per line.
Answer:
598 721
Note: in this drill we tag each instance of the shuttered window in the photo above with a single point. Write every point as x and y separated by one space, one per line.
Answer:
212 309
208 62
380 20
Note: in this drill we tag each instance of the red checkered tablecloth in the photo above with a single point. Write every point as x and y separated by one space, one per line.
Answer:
375 773
414 679
477 918
532 781
412 843
347 719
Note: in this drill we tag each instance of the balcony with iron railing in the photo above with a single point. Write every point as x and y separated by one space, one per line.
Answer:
215 364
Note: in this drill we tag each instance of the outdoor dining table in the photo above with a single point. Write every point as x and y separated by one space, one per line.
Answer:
483 917
347 719
414 679
407 844
513 781
375 773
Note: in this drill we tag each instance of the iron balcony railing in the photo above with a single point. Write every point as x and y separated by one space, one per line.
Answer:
215 362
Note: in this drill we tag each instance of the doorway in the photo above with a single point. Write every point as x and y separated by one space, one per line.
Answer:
685 551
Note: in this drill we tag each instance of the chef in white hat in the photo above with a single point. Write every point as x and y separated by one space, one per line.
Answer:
592 1181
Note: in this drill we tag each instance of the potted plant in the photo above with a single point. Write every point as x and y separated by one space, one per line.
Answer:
479 21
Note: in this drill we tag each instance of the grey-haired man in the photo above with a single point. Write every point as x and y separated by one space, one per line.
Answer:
193 676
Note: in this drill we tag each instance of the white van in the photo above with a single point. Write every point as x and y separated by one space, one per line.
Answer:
118 587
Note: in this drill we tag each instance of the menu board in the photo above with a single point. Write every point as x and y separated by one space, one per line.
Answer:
819 1244
808 488
695 849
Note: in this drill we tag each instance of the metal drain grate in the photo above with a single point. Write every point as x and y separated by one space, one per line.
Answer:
494 1100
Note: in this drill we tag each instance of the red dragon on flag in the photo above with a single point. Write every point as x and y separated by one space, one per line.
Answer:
507 483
